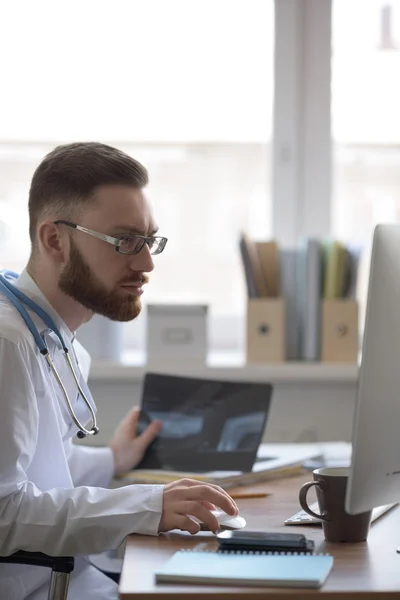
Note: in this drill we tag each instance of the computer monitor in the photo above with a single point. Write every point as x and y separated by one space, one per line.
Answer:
374 477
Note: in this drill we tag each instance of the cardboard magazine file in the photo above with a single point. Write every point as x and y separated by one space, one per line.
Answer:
339 331
265 330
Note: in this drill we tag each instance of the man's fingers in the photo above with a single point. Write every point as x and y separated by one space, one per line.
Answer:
209 505
132 419
150 433
196 509
185 523
188 500
186 482
205 493
220 489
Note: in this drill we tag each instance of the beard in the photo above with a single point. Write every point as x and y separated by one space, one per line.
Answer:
79 282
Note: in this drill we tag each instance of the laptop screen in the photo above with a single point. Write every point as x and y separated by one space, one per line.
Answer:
208 425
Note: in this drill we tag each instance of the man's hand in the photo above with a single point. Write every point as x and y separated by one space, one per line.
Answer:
188 497
128 447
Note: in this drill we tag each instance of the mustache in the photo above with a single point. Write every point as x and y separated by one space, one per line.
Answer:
138 278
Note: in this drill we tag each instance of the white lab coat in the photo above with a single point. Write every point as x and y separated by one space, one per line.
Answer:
53 493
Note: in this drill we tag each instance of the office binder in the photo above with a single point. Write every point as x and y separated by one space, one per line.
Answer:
266 338
269 257
309 289
288 261
339 331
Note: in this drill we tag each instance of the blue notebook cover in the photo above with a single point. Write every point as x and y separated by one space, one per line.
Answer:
246 569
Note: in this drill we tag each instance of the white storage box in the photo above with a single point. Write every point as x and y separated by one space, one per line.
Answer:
176 333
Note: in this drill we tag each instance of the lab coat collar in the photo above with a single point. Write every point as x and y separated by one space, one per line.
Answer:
26 284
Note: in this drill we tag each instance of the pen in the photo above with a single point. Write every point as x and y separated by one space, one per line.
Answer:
249 495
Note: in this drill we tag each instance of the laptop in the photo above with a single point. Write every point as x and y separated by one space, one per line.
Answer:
207 424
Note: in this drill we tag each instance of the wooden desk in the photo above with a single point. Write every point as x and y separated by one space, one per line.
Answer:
361 571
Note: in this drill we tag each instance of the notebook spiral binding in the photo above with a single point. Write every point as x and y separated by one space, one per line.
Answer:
255 552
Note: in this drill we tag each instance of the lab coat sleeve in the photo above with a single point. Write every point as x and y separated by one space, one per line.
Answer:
59 521
90 465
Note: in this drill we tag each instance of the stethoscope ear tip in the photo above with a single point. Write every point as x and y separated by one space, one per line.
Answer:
94 431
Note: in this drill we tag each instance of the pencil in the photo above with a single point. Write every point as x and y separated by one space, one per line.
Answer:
249 495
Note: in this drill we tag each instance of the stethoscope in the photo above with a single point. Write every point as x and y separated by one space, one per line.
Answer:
17 299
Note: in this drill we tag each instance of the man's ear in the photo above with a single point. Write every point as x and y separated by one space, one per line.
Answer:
53 241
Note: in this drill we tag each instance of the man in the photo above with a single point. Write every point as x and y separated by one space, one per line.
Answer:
53 493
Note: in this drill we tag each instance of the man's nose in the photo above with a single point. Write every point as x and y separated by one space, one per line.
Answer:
143 261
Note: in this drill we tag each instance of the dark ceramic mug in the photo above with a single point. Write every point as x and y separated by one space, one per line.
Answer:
330 484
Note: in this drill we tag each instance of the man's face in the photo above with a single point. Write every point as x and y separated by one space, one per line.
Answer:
101 279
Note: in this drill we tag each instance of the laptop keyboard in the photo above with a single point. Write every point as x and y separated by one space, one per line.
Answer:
303 518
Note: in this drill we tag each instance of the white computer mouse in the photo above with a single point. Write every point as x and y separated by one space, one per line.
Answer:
225 521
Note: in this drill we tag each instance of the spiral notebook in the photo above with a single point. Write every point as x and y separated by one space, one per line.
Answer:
255 569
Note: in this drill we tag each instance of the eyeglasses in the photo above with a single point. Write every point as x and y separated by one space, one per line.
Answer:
131 244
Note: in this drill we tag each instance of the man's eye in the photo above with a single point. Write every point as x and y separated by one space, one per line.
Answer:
128 245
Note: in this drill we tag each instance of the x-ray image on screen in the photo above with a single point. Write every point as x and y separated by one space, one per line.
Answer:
241 432
207 425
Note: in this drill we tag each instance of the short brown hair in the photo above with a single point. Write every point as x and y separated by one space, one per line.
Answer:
69 174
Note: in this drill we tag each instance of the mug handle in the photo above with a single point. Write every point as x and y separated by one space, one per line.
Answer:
303 499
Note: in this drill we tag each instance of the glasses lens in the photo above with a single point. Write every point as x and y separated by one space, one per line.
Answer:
131 245
156 245
134 245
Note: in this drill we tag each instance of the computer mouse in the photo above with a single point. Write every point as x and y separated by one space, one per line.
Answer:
225 521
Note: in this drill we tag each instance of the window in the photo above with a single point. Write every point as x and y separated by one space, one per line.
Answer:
187 89
365 121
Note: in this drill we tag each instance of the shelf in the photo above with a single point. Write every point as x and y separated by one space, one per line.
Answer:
226 365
